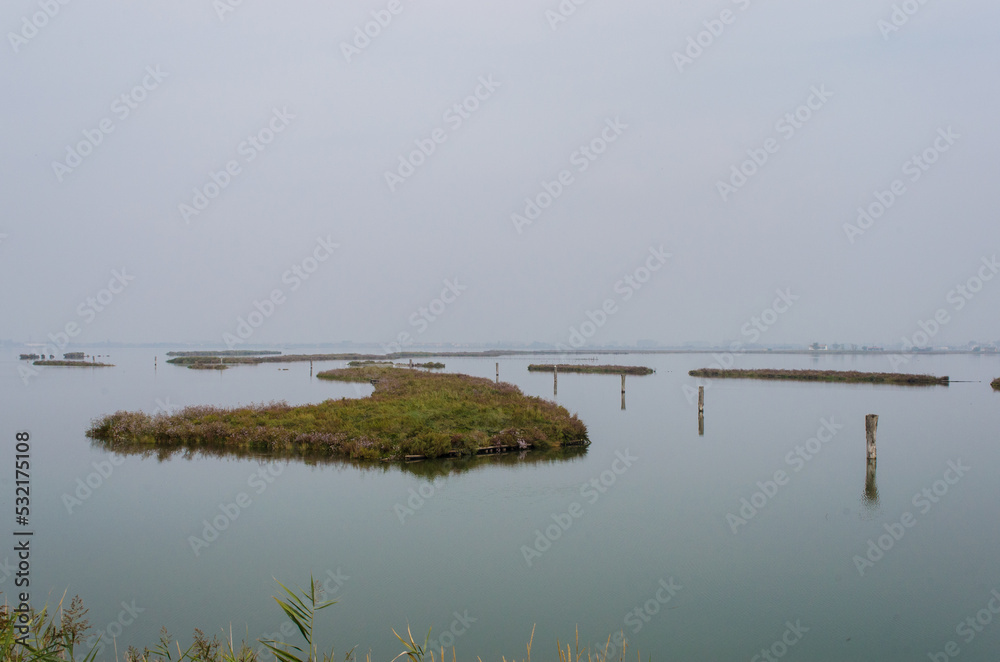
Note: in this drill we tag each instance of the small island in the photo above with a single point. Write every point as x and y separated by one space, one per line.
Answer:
411 414
594 369
996 384
842 376
74 364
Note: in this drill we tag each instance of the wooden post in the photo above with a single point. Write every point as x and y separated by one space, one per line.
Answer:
411 363
623 384
871 424
310 368
623 400
498 372
701 399
701 424
555 380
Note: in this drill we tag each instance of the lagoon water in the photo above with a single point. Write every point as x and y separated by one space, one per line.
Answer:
789 579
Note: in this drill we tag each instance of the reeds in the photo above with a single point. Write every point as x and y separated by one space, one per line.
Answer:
57 638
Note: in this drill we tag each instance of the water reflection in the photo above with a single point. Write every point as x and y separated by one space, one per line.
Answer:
870 497
429 469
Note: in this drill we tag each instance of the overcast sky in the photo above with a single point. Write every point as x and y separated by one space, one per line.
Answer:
119 116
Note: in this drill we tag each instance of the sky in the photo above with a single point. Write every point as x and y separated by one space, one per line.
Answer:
242 172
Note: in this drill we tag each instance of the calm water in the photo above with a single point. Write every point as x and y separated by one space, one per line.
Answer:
459 554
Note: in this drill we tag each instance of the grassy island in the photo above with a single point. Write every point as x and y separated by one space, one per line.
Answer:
598 369
843 376
226 352
411 413
74 364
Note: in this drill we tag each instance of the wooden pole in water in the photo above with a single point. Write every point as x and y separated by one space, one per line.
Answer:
701 424
623 384
871 424
555 380
701 399
498 372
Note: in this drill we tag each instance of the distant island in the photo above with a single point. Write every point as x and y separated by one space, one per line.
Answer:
598 369
74 364
411 414
226 352
845 376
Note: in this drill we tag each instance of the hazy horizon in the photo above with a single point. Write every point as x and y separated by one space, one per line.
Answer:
482 174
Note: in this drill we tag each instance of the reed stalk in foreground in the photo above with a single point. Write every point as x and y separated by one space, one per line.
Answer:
30 636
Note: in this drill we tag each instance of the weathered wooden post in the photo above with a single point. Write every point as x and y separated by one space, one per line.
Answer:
623 384
871 424
498 372
310 368
701 424
555 380
701 399
411 363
